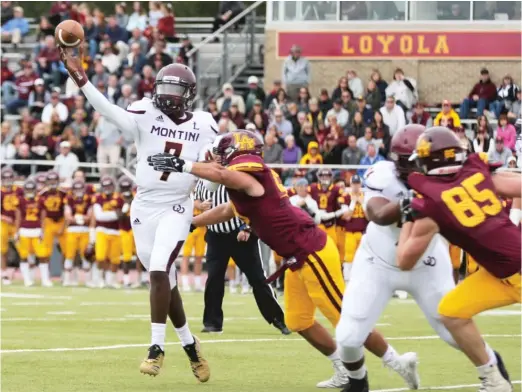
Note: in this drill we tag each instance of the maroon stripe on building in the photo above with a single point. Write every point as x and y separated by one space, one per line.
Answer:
327 273
323 285
136 111
174 255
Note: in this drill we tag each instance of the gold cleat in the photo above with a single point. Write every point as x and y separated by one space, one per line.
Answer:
154 361
198 364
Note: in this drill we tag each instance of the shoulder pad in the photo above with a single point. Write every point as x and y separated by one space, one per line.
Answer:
379 176
247 163
141 106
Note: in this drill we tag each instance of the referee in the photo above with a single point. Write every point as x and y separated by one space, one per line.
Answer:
224 241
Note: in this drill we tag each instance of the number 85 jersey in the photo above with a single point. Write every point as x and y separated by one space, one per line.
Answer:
470 215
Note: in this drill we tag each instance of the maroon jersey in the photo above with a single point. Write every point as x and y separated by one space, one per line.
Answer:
329 200
52 201
109 203
79 206
10 201
30 209
286 229
358 221
471 216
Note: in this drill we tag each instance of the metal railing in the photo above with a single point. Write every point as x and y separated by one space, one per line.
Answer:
221 65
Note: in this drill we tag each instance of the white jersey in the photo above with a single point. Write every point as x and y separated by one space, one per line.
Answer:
154 132
381 181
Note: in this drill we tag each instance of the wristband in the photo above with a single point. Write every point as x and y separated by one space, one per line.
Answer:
187 167
245 227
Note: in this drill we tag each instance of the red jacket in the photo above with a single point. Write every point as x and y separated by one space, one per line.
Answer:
423 120
166 26
24 85
485 90
52 55
145 88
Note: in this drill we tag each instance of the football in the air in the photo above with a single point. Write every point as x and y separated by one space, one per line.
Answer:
69 34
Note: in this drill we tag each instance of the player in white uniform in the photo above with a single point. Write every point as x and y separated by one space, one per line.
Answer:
161 212
375 275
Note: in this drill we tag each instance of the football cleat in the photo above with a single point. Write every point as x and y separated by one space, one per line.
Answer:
501 367
47 283
492 380
154 361
340 378
212 330
355 385
406 366
199 365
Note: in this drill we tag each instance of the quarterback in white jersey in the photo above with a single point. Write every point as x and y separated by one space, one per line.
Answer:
375 275
161 212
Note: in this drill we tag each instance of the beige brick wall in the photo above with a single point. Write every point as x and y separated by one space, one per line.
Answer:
436 80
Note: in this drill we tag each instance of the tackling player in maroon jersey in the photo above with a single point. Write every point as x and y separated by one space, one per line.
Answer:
458 199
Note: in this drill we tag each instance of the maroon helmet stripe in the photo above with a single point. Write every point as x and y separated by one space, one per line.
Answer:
136 111
174 255
323 285
328 275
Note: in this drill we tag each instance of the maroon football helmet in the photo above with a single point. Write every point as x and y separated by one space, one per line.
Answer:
230 145
402 146
439 152
30 189
52 180
8 177
41 181
125 185
325 177
174 89
78 188
107 185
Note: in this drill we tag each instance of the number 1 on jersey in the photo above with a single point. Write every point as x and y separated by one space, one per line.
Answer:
171 148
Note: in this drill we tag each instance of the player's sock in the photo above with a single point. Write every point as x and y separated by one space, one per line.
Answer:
197 283
75 275
185 282
109 277
44 271
158 334
334 357
67 267
184 334
492 358
126 279
390 354
95 273
24 269
357 374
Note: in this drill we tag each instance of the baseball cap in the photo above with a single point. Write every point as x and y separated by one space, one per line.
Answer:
511 159
253 80
355 179
39 82
250 127
227 86
301 182
65 144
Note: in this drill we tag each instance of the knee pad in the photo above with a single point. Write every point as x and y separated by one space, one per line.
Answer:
350 334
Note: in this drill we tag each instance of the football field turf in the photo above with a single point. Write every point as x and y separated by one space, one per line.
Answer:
79 340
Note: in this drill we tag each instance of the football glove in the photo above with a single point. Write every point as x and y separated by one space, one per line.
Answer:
407 212
165 162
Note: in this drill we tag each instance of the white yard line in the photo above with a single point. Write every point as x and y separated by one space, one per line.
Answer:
34 296
447 387
36 303
118 346
62 313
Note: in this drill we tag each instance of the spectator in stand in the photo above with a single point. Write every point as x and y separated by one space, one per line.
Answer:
155 13
333 150
225 125
186 46
138 38
512 163
66 163
364 109
14 29
342 86
357 126
259 123
23 154
291 116
56 125
89 144
312 157
307 136
166 23
24 85
146 84
296 72
367 138
109 142
257 109
253 93
45 28
393 115
236 117
38 98
355 83
481 143
272 150
381 132
136 60
403 89
110 59
507 132
352 155
421 116
55 106
80 104
302 99
228 10
276 86
380 83
129 77
213 110
101 76
465 142
506 95
515 114
113 89
279 102
518 150
77 148
339 112
138 19
99 19
449 114
325 103
122 19
483 125
500 153
292 154
115 32
333 128
7 79
47 62
6 12
124 99
348 103
92 35
283 126
42 144
314 116
229 98
373 96
480 96
370 158
78 122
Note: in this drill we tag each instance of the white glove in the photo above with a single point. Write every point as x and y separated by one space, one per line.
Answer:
79 219
125 208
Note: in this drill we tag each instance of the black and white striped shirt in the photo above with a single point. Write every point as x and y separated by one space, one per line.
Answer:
218 197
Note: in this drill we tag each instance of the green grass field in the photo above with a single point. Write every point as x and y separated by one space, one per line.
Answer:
79 340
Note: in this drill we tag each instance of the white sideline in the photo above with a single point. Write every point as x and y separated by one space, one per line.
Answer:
438 388
118 346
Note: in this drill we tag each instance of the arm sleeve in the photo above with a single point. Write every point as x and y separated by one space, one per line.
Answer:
118 116
104 216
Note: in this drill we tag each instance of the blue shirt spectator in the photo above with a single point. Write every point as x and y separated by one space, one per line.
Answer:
18 23
370 158
115 32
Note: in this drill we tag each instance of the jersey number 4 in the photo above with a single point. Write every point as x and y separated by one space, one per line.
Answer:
171 148
463 201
